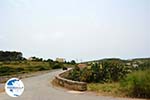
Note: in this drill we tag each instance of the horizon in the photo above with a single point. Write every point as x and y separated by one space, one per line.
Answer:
78 30
80 60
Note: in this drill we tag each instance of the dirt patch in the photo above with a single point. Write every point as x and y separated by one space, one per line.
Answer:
2 88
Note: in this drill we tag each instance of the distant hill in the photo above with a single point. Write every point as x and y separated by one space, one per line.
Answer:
120 60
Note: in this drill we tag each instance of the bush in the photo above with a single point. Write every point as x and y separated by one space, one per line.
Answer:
86 75
19 69
6 70
64 68
144 66
74 74
113 71
105 72
57 66
42 68
137 84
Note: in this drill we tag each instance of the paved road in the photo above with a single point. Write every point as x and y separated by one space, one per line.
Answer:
40 88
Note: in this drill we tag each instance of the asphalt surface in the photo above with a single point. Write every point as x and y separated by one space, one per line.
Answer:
40 88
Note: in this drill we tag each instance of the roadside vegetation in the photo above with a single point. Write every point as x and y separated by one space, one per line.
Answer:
106 89
116 77
137 84
21 67
12 63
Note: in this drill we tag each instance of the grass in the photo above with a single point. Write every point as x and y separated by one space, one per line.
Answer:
106 88
23 64
18 67
137 84
21 67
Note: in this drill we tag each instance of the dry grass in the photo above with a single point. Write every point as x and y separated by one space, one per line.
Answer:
23 64
110 89
106 89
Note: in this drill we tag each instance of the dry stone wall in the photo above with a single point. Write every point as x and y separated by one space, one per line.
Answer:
70 84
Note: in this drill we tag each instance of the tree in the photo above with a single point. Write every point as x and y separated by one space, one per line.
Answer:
10 56
73 62
95 68
113 71
37 59
50 60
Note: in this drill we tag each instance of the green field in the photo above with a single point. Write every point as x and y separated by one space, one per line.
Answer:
20 67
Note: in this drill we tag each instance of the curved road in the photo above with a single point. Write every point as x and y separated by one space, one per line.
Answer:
40 88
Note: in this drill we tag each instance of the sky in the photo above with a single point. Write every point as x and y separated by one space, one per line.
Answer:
76 29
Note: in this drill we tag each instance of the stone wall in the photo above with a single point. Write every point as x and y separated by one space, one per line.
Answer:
70 84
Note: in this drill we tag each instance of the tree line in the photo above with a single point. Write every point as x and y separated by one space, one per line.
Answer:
10 56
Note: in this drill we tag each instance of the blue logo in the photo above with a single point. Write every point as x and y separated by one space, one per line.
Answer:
14 87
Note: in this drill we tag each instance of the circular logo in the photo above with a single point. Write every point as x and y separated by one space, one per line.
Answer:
14 87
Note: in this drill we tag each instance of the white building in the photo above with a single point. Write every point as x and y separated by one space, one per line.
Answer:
60 59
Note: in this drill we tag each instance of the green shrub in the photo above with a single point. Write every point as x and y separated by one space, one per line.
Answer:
6 70
86 75
42 68
19 69
104 72
144 66
64 68
57 66
137 84
74 74
113 71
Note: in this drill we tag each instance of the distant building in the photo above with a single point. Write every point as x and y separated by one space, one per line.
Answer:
30 58
60 59
34 59
82 66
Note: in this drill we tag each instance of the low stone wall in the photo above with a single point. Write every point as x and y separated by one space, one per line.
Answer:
70 84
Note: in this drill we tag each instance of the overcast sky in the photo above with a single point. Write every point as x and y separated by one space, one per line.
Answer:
76 29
